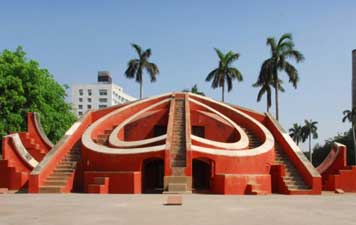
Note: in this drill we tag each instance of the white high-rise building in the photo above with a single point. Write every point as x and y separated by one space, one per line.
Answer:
99 95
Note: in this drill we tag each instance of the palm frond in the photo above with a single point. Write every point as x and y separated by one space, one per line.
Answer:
132 66
137 48
216 80
219 53
266 71
269 97
286 36
292 73
271 41
229 83
295 54
211 75
231 57
152 70
146 54
235 74
139 74
261 93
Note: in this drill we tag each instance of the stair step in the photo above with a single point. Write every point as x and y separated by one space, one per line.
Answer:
57 178
178 163
292 179
173 187
178 171
50 189
55 182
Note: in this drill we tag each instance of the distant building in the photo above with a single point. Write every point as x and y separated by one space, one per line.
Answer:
99 95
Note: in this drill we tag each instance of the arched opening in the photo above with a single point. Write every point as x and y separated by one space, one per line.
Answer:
202 171
152 176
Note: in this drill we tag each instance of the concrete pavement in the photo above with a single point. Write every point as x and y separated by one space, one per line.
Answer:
87 209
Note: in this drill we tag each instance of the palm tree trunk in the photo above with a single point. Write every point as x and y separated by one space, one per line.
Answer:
310 150
354 140
223 92
276 95
141 89
267 104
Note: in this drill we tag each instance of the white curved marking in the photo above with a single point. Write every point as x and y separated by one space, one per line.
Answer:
115 141
266 146
73 128
240 144
22 151
91 145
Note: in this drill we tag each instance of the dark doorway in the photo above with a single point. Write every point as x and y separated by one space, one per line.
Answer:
201 174
152 176
159 130
198 131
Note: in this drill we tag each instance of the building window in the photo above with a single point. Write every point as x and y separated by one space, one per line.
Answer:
89 92
102 106
80 99
89 106
80 113
103 100
89 99
80 106
80 91
103 92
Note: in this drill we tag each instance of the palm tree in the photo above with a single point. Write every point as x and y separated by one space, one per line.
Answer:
135 67
280 52
296 133
350 115
194 90
309 130
224 72
265 82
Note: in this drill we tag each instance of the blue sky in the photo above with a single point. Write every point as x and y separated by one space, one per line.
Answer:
76 39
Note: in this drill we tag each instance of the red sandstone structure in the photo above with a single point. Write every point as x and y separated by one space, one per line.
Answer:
172 143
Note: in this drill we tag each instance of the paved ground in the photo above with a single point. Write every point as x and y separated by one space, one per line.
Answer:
66 209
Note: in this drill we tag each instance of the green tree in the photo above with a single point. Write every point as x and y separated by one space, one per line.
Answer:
321 151
281 51
350 115
25 87
135 67
194 90
225 72
309 131
296 133
266 83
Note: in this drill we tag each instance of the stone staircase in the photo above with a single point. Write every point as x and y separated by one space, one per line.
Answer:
292 179
63 174
100 185
20 177
178 182
253 140
103 138
33 148
178 151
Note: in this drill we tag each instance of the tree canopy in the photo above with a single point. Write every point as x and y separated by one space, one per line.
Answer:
194 90
281 51
321 151
136 66
25 87
225 72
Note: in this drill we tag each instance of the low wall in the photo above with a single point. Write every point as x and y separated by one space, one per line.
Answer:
241 184
120 182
